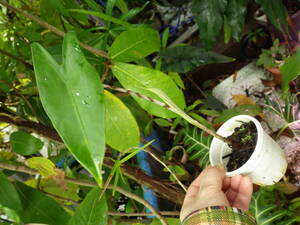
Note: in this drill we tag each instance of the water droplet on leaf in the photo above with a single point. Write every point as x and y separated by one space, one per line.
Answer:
77 94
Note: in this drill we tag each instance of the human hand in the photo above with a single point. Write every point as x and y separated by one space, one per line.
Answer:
212 188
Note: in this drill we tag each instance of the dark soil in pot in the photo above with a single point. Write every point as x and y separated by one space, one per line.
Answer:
243 142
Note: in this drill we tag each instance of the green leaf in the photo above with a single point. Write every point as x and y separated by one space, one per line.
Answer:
92 211
39 208
251 110
104 17
134 44
8 195
290 70
121 129
133 12
235 14
43 165
24 143
227 31
139 78
263 207
162 122
183 59
121 4
72 96
172 106
197 145
276 12
176 77
209 17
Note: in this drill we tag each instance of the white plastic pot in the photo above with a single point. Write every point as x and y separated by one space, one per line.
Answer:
267 164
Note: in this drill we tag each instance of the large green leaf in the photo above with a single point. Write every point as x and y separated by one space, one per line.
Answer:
236 12
92 211
39 208
121 129
24 143
209 17
290 70
134 44
183 59
263 207
72 96
139 78
8 195
276 12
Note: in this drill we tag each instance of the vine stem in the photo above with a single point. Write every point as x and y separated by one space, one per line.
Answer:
191 120
27 170
170 171
52 28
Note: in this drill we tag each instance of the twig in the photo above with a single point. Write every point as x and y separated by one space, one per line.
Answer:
170 171
163 213
52 28
128 194
17 58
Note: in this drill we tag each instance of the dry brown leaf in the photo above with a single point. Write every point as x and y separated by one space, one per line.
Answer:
59 179
276 74
243 100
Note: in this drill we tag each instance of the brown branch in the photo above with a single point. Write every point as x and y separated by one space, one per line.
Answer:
162 188
32 126
163 213
17 58
128 194
52 28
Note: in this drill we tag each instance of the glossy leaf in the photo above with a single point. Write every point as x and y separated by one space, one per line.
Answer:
183 59
39 208
121 129
24 143
235 14
134 44
92 211
209 17
72 96
290 70
9 197
139 78
276 13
